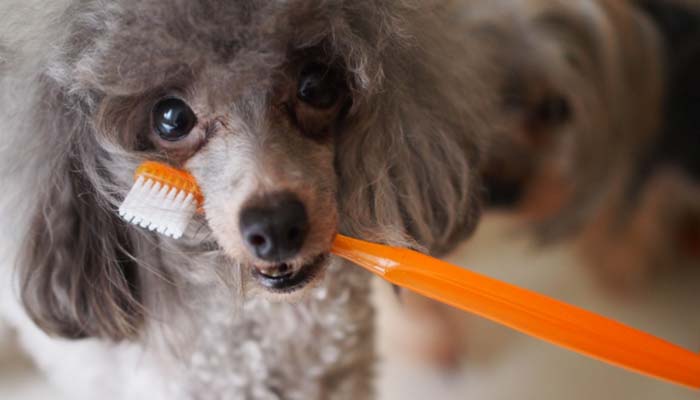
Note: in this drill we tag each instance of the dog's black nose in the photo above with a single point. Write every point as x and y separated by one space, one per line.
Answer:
274 227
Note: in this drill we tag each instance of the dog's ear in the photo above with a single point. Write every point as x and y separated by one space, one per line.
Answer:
409 156
409 172
78 278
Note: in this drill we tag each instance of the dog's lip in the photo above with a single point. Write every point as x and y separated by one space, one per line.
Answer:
292 280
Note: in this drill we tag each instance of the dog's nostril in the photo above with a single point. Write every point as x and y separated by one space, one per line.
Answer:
274 227
257 240
293 233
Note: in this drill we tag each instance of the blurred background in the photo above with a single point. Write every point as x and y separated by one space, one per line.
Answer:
433 352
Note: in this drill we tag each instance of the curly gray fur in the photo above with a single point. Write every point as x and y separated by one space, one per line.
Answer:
400 169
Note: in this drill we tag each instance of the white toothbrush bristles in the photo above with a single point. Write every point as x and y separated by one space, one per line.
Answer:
158 207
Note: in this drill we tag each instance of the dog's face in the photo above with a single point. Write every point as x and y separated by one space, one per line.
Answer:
252 105
298 119
264 158
649 223
577 103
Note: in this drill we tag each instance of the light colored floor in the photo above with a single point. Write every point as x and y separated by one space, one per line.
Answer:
498 364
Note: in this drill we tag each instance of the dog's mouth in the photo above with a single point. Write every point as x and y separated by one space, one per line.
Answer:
285 278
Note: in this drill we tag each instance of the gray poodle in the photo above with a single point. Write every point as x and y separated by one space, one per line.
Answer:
299 119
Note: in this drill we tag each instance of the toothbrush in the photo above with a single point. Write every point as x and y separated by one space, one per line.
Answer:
165 199
525 311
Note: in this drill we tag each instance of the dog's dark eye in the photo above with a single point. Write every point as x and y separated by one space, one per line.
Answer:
173 119
554 110
318 86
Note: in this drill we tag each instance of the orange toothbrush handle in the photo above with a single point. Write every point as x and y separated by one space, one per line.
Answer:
528 312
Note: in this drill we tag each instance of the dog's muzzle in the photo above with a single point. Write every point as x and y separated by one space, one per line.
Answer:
274 228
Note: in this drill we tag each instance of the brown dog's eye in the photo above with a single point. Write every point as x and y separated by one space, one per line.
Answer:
554 110
318 86
173 119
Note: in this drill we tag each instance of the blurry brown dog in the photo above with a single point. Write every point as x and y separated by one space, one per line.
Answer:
577 83
581 85
599 134
650 222
602 113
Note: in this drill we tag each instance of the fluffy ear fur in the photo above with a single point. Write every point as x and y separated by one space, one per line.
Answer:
408 162
77 277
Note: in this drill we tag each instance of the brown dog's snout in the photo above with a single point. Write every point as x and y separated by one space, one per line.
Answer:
274 227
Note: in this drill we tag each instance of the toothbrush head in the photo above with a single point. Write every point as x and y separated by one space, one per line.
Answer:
163 199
